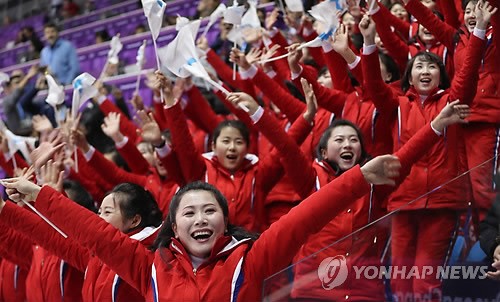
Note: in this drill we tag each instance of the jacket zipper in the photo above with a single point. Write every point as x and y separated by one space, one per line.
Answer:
194 271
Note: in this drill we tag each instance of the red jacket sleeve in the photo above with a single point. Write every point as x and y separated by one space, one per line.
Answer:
297 166
158 115
108 243
330 99
444 32
15 247
226 74
190 160
134 159
385 100
199 111
464 84
450 12
288 104
112 173
32 226
399 25
338 71
397 48
267 254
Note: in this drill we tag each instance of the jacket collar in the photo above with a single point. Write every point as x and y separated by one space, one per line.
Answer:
413 95
249 161
224 245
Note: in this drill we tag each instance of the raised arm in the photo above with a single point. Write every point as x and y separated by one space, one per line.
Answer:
92 232
33 227
444 32
381 94
312 214
15 247
464 84
286 148
106 168
126 148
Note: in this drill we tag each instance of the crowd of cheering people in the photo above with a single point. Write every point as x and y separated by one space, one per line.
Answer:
203 196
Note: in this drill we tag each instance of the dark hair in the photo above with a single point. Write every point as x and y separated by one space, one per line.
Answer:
78 194
444 81
465 2
238 125
103 34
51 25
415 38
390 66
322 71
166 232
135 200
323 143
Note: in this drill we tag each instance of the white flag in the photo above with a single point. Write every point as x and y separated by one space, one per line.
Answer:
140 55
295 5
180 55
250 18
20 143
154 9
214 16
180 22
82 91
116 46
55 95
233 14
326 12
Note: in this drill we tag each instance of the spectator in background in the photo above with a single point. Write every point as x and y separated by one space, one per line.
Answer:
102 36
88 6
59 56
69 9
55 9
26 34
205 8
140 29
14 90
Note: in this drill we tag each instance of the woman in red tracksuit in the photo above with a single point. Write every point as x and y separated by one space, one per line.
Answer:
483 129
341 148
244 178
129 208
422 232
199 255
162 185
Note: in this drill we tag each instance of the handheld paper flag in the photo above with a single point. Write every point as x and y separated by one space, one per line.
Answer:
20 143
180 22
56 92
153 10
116 46
181 52
233 14
250 18
295 5
214 16
82 91
140 55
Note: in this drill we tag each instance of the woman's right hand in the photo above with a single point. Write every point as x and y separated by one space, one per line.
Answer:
20 188
382 170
